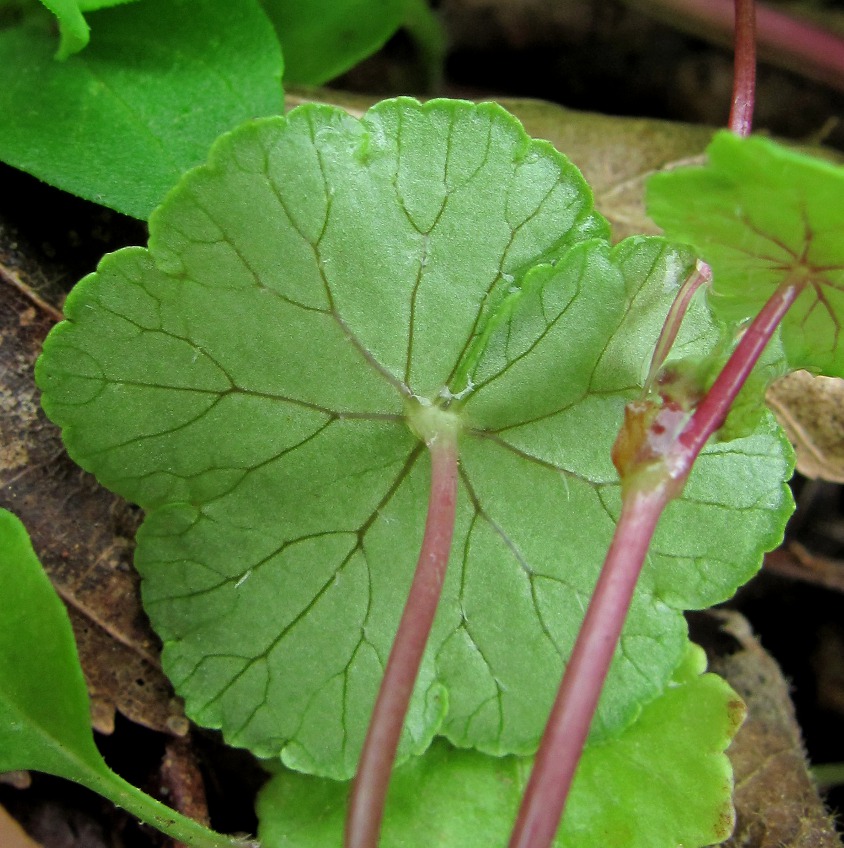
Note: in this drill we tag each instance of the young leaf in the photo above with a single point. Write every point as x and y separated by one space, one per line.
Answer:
663 781
121 122
249 380
323 38
44 715
762 215
74 32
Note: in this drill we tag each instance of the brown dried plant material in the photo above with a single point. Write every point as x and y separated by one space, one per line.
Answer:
81 532
798 563
777 804
811 410
182 784
12 835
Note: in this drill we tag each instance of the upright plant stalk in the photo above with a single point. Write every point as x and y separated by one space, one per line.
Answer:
369 790
671 326
654 454
654 470
740 122
744 68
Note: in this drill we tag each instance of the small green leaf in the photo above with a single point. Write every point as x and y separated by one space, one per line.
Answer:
761 215
121 122
323 38
73 30
663 782
247 379
45 719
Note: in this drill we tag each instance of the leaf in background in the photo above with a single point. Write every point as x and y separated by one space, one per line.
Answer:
83 533
74 32
246 380
323 38
811 410
44 717
663 781
761 215
121 122
44 714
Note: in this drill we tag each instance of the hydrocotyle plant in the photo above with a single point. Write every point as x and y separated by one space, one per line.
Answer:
320 303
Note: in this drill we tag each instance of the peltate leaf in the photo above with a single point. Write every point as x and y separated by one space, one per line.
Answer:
248 381
664 781
760 215
120 122
323 38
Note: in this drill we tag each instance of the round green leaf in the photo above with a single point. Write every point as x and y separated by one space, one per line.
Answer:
246 380
762 215
662 782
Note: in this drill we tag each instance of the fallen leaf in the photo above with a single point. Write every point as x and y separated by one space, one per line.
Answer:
811 411
777 804
12 835
82 532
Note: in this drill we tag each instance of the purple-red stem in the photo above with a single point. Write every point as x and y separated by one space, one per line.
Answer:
713 409
701 274
744 68
568 725
642 505
369 790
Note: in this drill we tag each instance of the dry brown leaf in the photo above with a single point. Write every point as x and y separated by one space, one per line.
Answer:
777 804
12 835
81 532
811 410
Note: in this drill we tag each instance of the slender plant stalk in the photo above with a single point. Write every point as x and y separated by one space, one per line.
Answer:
744 68
158 815
740 122
568 725
701 274
643 501
713 409
369 790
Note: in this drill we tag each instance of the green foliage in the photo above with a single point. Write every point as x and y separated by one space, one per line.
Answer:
73 29
663 781
44 713
120 122
762 215
247 379
323 38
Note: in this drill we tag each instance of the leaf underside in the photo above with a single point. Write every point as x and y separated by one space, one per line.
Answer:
663 781
246 380
760 215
